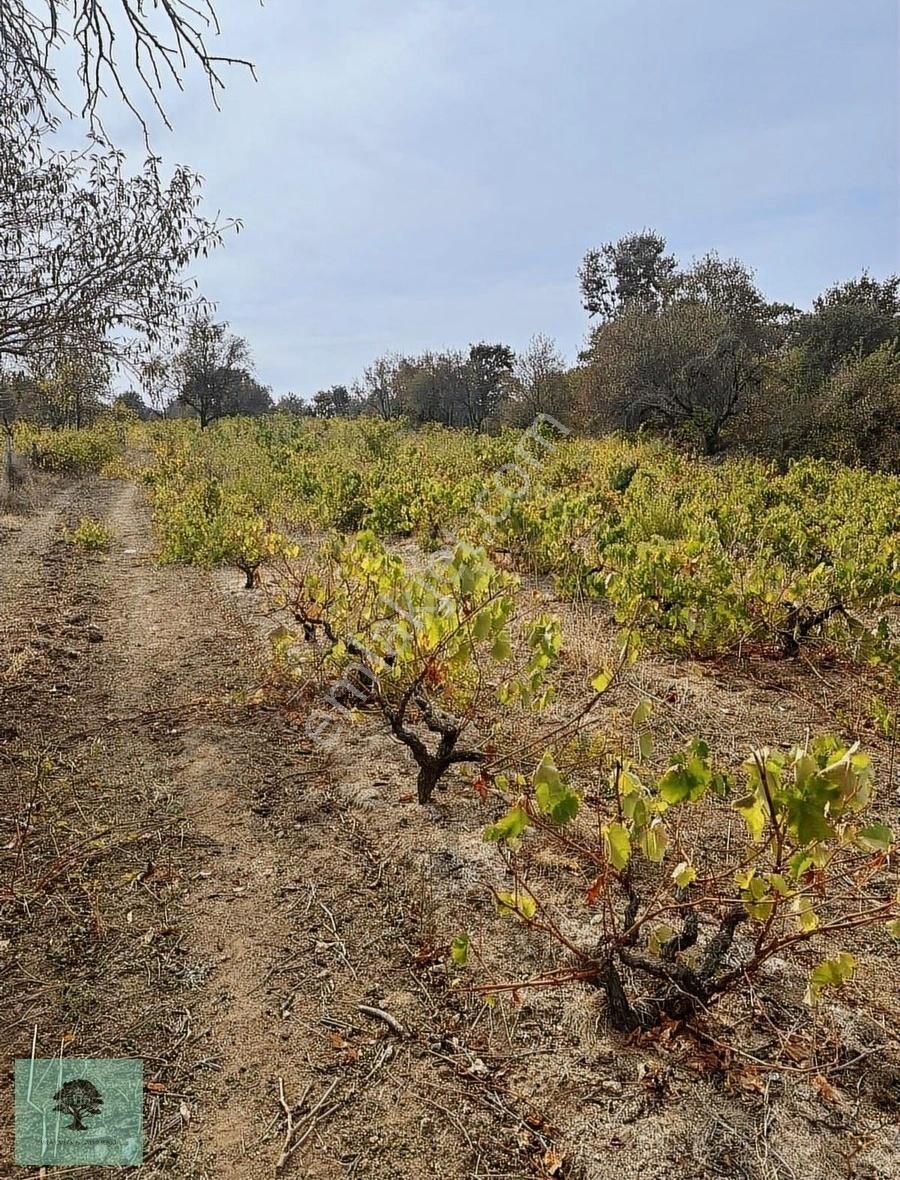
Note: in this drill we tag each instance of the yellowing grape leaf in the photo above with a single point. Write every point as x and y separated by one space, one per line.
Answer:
683 874
518 904
618 844
459 949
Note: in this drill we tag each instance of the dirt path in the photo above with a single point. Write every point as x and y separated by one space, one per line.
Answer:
186 884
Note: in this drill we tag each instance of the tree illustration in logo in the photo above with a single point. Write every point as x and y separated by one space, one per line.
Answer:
76 1098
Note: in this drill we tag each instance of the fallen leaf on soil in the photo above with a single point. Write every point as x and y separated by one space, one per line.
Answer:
826 1090
750 1080
596 889
553 1162
345 1051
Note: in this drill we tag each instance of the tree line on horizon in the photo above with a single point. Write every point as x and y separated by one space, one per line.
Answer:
697 353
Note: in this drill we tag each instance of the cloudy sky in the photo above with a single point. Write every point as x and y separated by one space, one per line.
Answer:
428 173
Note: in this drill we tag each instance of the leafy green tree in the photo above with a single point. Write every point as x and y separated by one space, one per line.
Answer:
248 397
680 349
432 388
680 367
852 318
857 415
634 271
485 382
91 258
334 402
209 368
131 400
728 287
72 387
293 403
864 292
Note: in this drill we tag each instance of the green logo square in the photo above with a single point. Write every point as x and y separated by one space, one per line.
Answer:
75 1111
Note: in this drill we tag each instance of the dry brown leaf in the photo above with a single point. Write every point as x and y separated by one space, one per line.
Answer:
553 1162
826 1090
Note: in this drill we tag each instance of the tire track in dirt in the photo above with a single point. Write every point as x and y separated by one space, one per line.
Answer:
297 918
23 539
176 648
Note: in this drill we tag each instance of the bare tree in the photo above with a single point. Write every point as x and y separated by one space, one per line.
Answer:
211 369
160 39
540 385
380 386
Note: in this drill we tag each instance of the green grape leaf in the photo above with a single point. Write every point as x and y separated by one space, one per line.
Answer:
875 838
459 949
806 816
689 776
675 785
807 918
508 828
684 874
654 841
482 627
829 973
799 863
546 773
658 937
751 808
560 802
502 648
641 713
